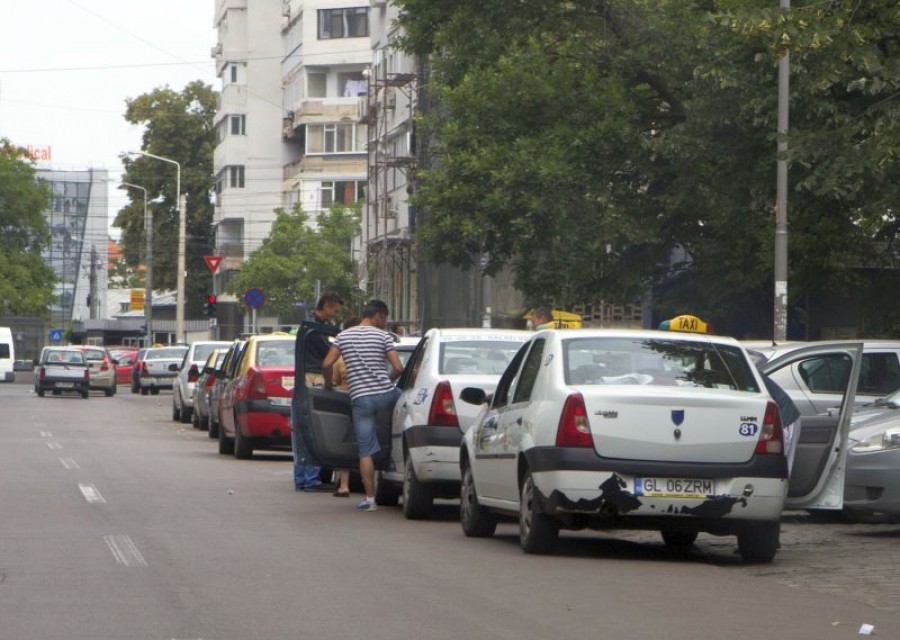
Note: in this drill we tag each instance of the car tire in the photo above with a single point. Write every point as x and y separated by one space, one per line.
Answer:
212 430
226 444
243 446
134 389
154 391
176 414
56 392
144 391
195 419
40 393
758 542
538 532
387 493
108 393
85 394
679 540
418 498
186 415
476 521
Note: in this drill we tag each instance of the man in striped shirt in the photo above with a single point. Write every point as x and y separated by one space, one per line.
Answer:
365 348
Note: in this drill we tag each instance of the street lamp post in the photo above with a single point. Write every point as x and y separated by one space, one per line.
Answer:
148 285
179 291
779 333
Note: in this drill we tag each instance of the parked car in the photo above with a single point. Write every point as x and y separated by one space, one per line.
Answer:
872 484
224 373
158 368
428 421
255 406
188 373
136 371
816 384
103 369
203 387
62 370
636 430
125 359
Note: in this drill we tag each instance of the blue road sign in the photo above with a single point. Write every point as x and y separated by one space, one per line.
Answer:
56 335
254 298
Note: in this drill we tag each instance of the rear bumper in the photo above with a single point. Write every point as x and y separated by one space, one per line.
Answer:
434 452
571 481
156 382
262 419
63 385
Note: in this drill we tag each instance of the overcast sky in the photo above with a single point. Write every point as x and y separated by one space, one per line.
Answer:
67 67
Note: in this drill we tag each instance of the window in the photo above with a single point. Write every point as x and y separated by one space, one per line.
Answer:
411 371
879 374
331 138
236 176
351 85
233 72
341 192
343 23
316 84
477 357
826 374
501 395
238 124
530 371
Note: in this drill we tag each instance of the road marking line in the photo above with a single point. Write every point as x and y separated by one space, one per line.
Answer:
54 445
125 551
91 494
46 434
69 463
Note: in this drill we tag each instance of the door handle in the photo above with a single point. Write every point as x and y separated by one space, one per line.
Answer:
519 421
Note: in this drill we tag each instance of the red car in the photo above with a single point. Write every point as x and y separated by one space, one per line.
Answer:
125 359
255 405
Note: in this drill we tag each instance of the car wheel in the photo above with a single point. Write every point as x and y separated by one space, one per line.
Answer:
40 393
476 521
195 419
144 391
538 532
176 414
243 446
186 415
134 389
226 444
758 541
85 394
387 493
213 428
56 392
679 541
154 391
418 498
108 393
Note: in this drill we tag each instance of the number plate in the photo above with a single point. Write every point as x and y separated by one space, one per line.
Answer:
63 385
674 487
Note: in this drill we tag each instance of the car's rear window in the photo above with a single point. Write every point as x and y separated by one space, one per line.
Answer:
667 362
165 354
275 353
472 356
203 351
74 357
93 354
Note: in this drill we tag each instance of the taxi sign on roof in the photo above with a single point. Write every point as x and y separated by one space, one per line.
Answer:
686 323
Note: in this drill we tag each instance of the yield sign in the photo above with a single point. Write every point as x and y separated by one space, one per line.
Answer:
213 262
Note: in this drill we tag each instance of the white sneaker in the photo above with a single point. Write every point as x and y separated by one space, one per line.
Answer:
367 505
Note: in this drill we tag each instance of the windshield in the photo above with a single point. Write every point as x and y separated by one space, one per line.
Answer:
667 362
478 357
166 354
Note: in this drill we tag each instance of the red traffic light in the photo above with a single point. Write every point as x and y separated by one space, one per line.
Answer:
210 298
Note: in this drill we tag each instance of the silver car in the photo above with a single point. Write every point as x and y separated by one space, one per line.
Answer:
188 373
872 482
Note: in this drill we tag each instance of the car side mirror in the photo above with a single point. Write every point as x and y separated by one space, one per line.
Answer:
114 361
473 395
173 367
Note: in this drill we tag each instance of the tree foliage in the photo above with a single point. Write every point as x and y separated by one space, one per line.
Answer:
26 281
579 142
178 126
296 257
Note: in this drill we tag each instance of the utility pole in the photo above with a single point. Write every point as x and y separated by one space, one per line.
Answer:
779 333
92 280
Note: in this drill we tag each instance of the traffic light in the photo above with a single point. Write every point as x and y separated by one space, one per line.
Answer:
209 306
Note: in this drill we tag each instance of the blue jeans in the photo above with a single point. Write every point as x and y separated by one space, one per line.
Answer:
306 475
365 412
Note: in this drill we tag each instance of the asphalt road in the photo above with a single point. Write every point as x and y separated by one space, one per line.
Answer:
118 524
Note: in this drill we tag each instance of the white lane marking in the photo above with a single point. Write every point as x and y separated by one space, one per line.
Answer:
91 494
54 445
69 463
125 551
46 434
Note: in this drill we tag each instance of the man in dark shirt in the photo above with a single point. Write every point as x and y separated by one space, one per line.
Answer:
307 475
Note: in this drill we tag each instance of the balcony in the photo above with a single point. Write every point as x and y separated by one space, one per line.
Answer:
316 110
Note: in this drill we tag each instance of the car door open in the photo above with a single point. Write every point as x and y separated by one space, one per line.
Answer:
323 416
817 478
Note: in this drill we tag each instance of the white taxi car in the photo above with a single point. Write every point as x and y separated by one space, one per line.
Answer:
619 429
428 421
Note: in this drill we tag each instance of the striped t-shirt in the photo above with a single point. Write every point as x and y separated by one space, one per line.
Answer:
364 349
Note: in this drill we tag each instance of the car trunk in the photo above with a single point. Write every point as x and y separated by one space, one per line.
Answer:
279 383
666 424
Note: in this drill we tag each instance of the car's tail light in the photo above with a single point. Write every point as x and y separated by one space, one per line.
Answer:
443 409
771 436
257 386
144 370
574 429
42 372
210 381
193 373
87 373
104 366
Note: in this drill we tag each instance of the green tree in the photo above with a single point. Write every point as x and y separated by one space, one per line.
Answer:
178 126
26 281
295 257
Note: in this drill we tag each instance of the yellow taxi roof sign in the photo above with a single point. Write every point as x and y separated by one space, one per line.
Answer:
561 319
687 324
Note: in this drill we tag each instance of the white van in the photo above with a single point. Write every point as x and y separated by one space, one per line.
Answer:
7 356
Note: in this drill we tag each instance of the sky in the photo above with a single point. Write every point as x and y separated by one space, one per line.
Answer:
68 66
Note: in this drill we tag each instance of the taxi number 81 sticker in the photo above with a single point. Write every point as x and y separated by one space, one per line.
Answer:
674 487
